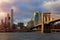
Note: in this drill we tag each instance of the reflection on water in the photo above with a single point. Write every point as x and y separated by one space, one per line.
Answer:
3 36
29 36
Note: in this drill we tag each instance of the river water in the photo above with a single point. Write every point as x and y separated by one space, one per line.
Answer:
29 36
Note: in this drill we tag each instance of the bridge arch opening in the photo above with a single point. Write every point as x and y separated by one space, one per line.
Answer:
54 23
58 22
55 26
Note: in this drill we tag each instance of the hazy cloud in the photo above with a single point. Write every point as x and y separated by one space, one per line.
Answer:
52 6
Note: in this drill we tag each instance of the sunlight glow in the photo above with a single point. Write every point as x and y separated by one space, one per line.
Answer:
3 15
7 1
1 1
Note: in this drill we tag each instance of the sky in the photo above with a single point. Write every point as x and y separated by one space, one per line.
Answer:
24 9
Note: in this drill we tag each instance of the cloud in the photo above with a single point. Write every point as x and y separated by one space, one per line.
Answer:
52 6
7 1
5 7
24 9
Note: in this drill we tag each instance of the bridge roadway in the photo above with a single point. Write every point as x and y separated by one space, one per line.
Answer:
47 22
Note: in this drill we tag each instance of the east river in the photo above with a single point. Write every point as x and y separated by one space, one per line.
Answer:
29 36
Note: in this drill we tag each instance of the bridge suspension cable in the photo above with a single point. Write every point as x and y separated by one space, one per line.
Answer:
55 16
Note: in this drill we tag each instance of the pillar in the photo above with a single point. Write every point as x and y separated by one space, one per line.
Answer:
42 28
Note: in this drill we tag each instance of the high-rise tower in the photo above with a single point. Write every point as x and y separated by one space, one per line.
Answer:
11 19
36 17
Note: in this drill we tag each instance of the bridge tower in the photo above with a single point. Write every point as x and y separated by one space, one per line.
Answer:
46 17
40 18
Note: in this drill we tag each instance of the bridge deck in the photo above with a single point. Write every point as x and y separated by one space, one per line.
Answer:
45 22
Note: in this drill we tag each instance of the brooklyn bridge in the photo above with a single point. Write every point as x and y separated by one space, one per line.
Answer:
46 22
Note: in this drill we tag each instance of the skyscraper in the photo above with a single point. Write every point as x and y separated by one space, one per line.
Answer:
11 19
2 21
7 23
7 19
21 25
30 23
36 17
